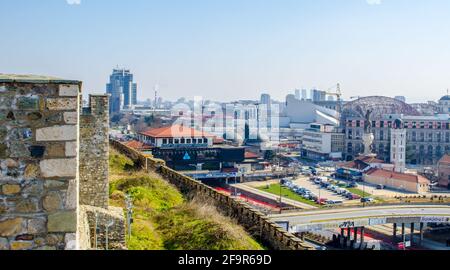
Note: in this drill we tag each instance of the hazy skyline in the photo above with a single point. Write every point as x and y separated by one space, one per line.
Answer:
234 49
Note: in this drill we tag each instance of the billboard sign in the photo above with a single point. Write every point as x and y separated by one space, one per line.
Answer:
435 220
377 221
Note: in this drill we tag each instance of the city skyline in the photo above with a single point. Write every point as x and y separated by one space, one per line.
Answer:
236 49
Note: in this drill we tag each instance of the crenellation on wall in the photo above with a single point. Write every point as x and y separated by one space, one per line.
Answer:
35 209
94 152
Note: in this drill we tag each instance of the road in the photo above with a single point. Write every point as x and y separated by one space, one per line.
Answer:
350 214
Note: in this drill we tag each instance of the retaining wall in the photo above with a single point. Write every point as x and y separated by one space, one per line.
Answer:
256 223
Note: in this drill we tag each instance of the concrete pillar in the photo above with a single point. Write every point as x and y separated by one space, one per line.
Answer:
395 231
403 233
349 234
355 234
362 237
412 233
421 233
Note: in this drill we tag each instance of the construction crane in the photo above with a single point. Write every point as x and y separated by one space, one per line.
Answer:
338 94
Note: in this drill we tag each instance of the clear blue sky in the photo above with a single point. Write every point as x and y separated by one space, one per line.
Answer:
230 49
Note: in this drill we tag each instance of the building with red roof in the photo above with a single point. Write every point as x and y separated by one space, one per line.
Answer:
176 136
185 148
444 171
137 145
401 181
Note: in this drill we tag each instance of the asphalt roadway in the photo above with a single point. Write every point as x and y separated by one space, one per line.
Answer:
351 214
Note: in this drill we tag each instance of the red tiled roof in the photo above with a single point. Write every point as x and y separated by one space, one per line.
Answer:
398 176
218 140
369 160
250 155
137 145
445 159
175 131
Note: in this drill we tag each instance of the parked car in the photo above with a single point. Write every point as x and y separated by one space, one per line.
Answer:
367 200
352 185
380 187
321 201
353 196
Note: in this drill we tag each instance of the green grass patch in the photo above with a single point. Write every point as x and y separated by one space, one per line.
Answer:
195 227
359 192
118 163
163 220
286 193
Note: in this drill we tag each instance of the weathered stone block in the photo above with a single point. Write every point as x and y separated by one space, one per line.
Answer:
53 239
34 116
4 244
33 188
62 222
3 150
37 226
11 227
21 245
70 241
27 103
2 116
46 248
56 150
10 189
62 104
71 149
54 118
6 103
19 150
52 202
71 117
51 184
28 206
57 133
58 168
71 195
69 90
31 171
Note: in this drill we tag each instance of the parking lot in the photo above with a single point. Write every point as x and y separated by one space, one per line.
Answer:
324 193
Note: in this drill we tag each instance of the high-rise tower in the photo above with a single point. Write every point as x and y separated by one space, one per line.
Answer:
122 90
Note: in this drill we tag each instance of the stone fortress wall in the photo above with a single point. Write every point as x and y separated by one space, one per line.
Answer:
38 163
94 179
94 151
42 163
258 225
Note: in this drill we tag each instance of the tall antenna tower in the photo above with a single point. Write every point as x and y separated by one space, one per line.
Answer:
156 97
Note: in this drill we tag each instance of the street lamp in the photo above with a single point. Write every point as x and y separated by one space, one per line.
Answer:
129 205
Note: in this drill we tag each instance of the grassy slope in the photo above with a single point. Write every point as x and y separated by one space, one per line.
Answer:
164 220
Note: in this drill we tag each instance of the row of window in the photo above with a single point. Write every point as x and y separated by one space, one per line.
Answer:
414 124
412 136
185 141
